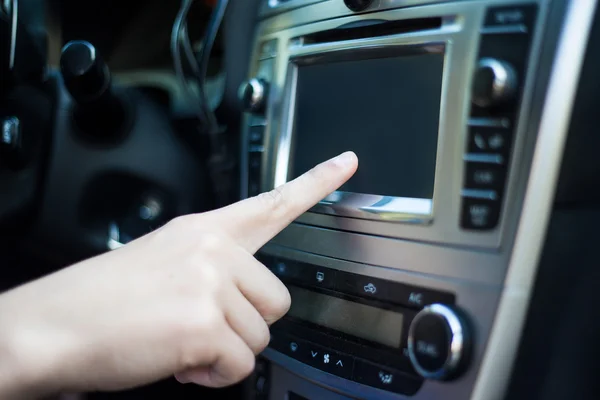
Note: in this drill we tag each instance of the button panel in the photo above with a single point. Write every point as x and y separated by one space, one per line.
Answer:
353 284
345 366
505 40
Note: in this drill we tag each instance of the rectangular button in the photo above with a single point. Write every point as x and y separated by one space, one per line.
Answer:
489 140
308 274
361 285
386 379
289 346
511 15
485 176
316 276
256 135
479 214
416 297
329 361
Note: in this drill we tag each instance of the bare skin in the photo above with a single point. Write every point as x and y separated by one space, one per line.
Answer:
188 300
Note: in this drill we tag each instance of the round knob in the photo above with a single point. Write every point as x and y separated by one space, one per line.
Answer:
254 95
494 83
438 342
358 5
85 75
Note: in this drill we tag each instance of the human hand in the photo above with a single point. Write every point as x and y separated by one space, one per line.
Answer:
188 299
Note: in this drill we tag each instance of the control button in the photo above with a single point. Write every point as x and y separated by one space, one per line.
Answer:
489 140
361 285
385 378
510 16
417 297
308 274
358 5
485 176
289 346
495 82
438 342
329 361
480 214
254 95
254 171
11 133
256 135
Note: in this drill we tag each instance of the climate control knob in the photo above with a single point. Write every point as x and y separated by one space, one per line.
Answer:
495 82
358 5
254 95
439 342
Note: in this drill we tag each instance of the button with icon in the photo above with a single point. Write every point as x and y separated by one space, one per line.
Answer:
385 378
489 140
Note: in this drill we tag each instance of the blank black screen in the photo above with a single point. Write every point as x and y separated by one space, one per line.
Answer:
386 110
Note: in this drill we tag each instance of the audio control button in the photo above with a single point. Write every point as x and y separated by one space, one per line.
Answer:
256 135
485 176
480 214
489 140
384 378
511 16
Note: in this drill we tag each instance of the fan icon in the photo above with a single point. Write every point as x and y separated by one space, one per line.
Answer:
326 358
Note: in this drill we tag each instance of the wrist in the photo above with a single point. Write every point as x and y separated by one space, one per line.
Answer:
28 358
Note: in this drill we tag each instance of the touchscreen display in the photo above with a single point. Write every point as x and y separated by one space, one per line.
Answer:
386 110
356 319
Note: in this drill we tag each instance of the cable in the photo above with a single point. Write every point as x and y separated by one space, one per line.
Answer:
220 163
209 40
178 28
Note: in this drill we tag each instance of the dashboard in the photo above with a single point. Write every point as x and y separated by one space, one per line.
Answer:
459 262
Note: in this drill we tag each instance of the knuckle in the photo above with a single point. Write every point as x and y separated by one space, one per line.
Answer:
279 305
264 339
274 199
209 242
208 325
245 367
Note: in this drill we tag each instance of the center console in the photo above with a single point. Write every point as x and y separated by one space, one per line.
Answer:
403 281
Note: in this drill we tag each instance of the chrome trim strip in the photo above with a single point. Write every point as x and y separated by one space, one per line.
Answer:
479 194
503 29
14 10
488 122
510 318
484 158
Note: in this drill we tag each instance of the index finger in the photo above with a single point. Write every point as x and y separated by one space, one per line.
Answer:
255 221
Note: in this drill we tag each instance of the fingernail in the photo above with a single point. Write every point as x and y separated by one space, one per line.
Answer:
182 378
344 159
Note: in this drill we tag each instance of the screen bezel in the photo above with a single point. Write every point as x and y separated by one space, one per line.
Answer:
359 205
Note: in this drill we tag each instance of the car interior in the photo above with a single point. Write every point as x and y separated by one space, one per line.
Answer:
458 263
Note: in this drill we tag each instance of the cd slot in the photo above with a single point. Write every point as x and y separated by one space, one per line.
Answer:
372 28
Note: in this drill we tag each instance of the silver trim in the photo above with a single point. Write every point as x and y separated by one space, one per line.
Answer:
479 194
14 12
504 85
487 122
510 317
456 346
484 158
503 29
